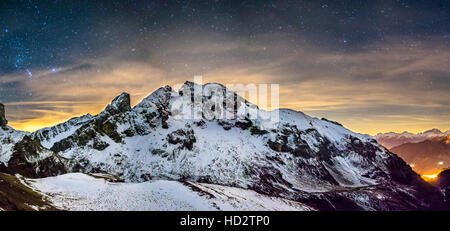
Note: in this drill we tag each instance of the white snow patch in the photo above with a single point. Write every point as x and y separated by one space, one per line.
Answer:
77 191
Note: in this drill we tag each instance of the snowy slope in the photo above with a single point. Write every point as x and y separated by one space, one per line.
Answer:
8 138
20 153
82 192
48 136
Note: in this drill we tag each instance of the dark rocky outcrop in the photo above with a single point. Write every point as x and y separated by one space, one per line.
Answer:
31 160
120 104
443 179
3 121
334 122
185 137
289 139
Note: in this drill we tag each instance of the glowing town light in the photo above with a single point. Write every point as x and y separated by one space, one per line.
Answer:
429 177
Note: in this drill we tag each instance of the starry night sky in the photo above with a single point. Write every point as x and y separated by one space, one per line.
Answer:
375 66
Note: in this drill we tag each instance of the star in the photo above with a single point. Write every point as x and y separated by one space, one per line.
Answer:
29 73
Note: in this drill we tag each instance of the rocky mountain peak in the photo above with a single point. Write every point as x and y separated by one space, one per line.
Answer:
3 121
119 104
433 131
189 84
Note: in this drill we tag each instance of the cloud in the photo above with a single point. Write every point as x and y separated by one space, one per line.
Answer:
400 84
77 90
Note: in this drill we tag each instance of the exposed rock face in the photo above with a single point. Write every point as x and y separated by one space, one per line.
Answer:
3 121
30 159
184 137
120 104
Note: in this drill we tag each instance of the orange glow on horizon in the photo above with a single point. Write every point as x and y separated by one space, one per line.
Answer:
429 177
50 118
83 99
32 126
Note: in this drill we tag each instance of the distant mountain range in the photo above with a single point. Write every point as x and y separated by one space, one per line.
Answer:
298 162
392 139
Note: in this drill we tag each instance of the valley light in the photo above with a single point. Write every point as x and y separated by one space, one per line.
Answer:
430 177
412 165
441 163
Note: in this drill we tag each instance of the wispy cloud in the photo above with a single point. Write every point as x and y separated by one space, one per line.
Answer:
390 86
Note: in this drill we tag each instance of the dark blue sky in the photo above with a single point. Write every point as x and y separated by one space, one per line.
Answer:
48 34
299 44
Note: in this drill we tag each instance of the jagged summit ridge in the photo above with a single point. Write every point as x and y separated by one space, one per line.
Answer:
434 131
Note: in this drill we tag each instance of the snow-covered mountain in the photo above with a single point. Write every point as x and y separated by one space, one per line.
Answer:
312 161
392 139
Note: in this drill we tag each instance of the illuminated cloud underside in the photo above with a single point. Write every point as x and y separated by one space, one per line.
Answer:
368 92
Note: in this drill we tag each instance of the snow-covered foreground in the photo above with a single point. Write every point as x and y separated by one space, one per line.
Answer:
77 191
